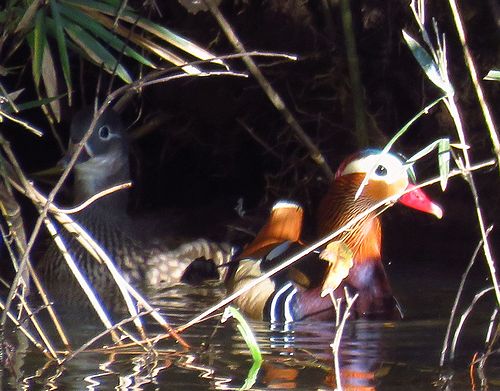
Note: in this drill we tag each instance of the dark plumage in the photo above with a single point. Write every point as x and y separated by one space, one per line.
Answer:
143 259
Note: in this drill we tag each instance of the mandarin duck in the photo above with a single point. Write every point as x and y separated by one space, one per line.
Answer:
103 163
351 260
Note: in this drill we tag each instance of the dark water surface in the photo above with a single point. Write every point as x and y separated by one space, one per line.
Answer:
374 355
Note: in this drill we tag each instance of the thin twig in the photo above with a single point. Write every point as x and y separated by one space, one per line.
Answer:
102 334
271 93
27 333
475 80
338 337
457 299
24 124
463 318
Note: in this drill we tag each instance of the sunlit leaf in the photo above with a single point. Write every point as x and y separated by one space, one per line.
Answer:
145 43
341 259
251 376
27 20
86 22
426 62
245 331
393 140
444 161
494 75
49 76
96 52
443 147
161 32
39 42
61 45
423 152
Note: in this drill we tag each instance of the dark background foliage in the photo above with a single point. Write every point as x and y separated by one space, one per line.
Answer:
219 139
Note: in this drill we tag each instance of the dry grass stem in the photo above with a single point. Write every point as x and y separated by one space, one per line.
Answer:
28 335
463 318
338 334
271 93
475 80
118 325
457 299
24 124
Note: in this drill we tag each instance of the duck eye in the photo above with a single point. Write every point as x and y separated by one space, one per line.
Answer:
104 132
381 171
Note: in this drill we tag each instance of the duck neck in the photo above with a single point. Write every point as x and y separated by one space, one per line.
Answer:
101 173
338 207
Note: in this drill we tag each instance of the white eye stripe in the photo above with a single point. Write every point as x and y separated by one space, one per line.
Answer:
387 168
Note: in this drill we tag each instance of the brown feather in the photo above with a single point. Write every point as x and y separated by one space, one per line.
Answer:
284 223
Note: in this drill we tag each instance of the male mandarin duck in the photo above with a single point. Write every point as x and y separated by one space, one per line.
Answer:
301 292
103 163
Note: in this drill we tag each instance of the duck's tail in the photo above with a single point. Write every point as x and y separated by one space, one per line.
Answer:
191 262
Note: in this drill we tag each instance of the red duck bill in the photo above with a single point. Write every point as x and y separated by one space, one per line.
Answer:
417 199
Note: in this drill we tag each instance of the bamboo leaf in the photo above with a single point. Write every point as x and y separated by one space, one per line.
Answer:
96 52
245 331
88 23
426 62
161 32
38 103
393 140
443 147
494 75
27 20
61 45
444 161
49 76
423 152
39 42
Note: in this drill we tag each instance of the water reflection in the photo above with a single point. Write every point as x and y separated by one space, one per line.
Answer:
373 355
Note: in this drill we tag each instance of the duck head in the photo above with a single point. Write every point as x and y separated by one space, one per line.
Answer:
104 160
386 176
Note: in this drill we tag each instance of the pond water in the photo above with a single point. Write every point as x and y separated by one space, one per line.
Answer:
374 355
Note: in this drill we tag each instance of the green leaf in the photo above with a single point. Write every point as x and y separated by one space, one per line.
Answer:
61 45
494 75
246 332
427 63
393 140
96 52
39 42
87 23
131 17
444 161
443 147
38 103
49 77
26 21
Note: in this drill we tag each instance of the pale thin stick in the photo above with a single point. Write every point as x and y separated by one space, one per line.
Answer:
97 252
82 281
475 80
457 299
271 93
102 334
27 333
338 337
24 124
463 318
